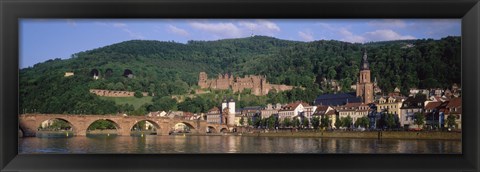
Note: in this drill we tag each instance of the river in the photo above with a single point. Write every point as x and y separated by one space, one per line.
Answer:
152 144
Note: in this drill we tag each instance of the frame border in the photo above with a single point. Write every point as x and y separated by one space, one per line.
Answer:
11 11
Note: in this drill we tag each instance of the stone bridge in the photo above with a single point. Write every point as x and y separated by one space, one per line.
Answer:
29 123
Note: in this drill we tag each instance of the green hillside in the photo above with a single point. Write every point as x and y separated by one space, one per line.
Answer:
169 68
135 102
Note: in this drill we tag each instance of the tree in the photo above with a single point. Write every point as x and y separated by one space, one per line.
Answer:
305 123
347 121
165 103
419 119
296 122
362 122
241 121
325 122
249 121
390 121
451 120
271 122
138 94
316 122
338 122
287 122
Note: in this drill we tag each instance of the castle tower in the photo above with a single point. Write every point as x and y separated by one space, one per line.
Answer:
364 84
202 80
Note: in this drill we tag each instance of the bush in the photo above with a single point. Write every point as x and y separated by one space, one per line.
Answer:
138 94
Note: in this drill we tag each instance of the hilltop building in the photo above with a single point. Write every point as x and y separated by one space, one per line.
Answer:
257 84
67 74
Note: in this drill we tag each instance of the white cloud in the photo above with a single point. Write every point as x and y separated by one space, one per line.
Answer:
237 28
385 34
259 27
349 36
306 36
178 31
134 35
124 27
326 26
377 35
218 29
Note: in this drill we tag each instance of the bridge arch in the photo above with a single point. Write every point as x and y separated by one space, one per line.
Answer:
117 126
188 124
224 130
156 127
211 129
72 126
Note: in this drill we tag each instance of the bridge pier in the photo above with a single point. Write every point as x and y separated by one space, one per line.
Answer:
80 132
163 132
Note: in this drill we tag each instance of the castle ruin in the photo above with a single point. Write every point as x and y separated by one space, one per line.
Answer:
257 84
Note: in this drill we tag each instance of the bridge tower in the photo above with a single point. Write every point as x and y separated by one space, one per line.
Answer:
231 114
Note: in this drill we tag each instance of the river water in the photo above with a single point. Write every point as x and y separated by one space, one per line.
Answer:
152 144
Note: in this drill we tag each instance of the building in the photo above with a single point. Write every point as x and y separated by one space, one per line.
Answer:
292 110
67 74
337 99
390 104
434 113
364 84
326 111
270 110
308 111
354 110
214 116
252 112
454 107
257 84
409 107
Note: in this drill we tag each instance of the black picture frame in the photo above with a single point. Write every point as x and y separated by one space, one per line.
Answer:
12 10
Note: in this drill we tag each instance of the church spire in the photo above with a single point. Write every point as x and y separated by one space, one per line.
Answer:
365 65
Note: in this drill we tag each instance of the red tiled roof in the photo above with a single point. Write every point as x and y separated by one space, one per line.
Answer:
432 105
295 105
348 105
330 112
321 108
455 102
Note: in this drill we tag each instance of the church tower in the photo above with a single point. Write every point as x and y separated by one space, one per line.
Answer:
364 84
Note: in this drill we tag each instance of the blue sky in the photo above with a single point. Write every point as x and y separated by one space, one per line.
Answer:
43 39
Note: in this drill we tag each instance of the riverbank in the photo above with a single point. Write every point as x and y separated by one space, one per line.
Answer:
434 135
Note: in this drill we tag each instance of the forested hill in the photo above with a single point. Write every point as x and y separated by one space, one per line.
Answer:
167 68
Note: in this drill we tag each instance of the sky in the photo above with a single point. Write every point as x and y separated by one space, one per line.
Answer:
44 39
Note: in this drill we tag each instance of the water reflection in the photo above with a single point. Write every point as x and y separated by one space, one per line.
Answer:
151 144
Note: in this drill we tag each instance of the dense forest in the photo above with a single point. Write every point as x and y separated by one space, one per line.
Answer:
167 68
